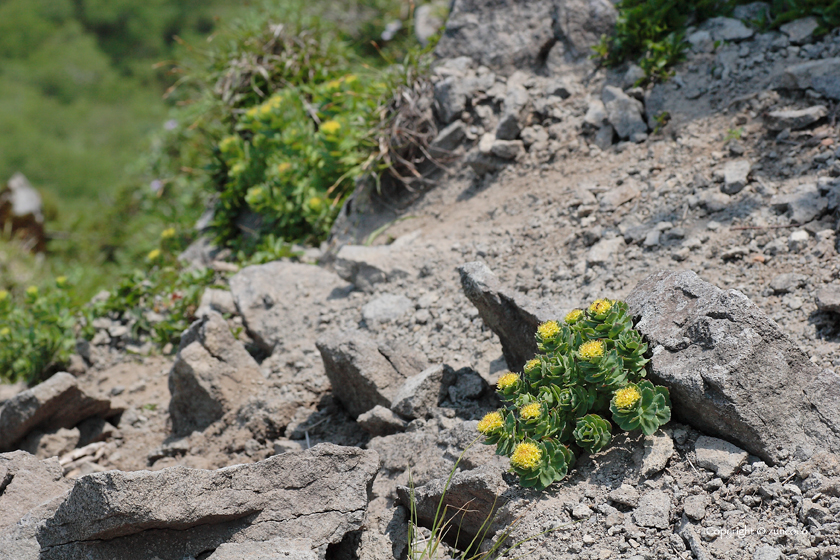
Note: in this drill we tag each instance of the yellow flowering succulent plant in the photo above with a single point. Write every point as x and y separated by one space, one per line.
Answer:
589 374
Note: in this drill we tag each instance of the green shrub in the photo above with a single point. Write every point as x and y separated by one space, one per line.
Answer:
588 367
36 332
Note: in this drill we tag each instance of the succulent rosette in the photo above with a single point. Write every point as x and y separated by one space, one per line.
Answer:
590 369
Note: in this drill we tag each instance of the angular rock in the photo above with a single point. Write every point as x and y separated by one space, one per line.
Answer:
795 119
788 282
695 506
798 241
275 549
320 494
212 375
720 457
513 114
21 213
714 201
767 552
828 299
617 196
365 266
220 301
484 163
803 205
477 493
800 31
361 376
596 114
421 393
735 175
509 314
30 492
654 510
276 301
56 403
507 35
727 29
467 385
625 495
380 421
724 362
625 113
450 98
508 149
821 75
384 533
604 251
387 307
534 135
604 136
659 447
449 138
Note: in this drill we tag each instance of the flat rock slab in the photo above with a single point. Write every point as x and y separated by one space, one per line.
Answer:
654 510
56 403
720 457
275 549
511 315
276 301
822 75
731 371
659 448
364 266
320 494
795 119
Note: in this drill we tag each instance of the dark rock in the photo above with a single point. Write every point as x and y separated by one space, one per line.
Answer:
320 494
513 115
449 138
511 315
724 362
821 75
803 205
795 119
361 376
56 403
212 375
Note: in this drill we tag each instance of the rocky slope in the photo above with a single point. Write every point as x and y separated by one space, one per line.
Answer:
564 182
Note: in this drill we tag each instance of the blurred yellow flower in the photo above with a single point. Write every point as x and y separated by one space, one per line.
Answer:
4 295
330 127
316 203
283 167
600 306
153 255
168 233
61 281
5 332
32 291
350 78
592 349
573 316
227 144
531 411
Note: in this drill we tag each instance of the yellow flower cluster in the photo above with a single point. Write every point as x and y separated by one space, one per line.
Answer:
507 381
153 255
331 127
5 331
532 364
531 411
573 316
227 144
592 349
549 329
168 233
526 456
61 281
600 306
283 167
627 397
32 291
4 295
490 423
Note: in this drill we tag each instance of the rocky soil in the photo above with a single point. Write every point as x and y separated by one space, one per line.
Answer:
288 420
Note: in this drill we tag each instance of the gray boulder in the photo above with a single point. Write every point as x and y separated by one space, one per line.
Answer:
800 31
827 298
361 374
511 315
473 502
56 403
625 113
821 75
513 115
421 393
320 494
803 205
727 29
30 492
788 282
276 301
507 35
380 421
385 308
735 175
731 370
212 375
